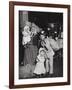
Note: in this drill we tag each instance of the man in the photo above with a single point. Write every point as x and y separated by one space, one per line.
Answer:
49 51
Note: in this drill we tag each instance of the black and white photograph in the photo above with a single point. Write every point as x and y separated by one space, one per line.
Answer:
39 44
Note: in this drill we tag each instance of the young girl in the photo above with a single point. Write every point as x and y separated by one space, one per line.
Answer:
39 68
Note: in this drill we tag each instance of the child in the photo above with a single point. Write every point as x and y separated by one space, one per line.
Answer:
39 68
26 35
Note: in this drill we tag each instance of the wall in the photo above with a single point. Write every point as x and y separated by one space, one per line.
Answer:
4 44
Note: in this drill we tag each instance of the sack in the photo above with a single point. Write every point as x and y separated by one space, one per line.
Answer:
54 44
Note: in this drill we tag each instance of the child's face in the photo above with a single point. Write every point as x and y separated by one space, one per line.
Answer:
26 28
42 53
26 31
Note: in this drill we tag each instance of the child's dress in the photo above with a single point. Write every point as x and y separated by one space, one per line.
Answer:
40 69
26 39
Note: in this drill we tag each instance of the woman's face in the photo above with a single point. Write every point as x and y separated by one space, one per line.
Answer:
42 37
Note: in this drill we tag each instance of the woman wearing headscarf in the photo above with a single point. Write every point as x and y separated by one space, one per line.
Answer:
30 50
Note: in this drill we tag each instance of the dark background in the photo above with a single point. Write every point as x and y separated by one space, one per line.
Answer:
43 18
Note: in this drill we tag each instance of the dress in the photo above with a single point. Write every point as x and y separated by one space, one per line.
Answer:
39 68
30 53
26 39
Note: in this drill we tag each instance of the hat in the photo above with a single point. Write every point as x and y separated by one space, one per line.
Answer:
35 28
41 49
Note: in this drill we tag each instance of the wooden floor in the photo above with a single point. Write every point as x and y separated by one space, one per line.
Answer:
57 69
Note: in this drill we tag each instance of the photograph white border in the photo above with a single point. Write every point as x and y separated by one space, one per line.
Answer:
18 81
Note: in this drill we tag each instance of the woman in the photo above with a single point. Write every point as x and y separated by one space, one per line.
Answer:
30 50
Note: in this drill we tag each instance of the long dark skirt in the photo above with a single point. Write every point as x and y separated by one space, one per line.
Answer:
30 54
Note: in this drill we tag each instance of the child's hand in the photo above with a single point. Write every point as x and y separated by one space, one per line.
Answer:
37 59
42 43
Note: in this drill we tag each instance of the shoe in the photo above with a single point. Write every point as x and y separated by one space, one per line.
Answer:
51 75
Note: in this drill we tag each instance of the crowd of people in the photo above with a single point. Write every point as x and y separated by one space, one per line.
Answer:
38 59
